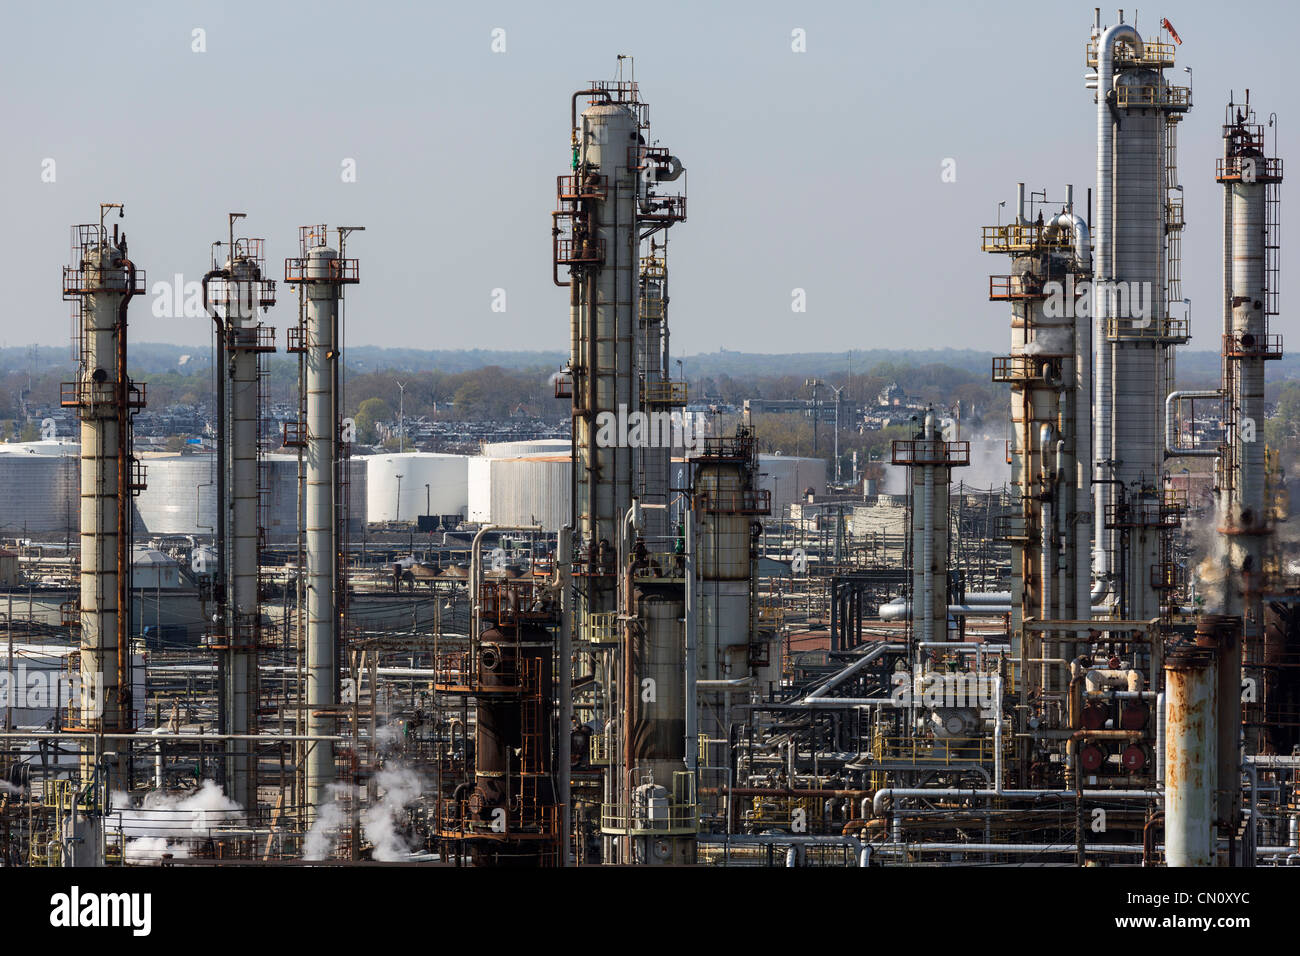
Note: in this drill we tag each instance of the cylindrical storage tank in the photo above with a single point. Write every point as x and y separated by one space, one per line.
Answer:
40 489
523 449
181 495
1191 756
280 502
430 484
521 491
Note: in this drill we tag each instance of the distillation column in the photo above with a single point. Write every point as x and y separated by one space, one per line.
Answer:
606 208
241 293
929 458
604 370
322 272
1049 373
661 396
726 506
1136 114
101 285
1251 182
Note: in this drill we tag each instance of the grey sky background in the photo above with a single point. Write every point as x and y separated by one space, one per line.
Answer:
817 170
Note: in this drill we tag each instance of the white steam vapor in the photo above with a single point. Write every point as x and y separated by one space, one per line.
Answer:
168 822
322 838
401 787
1050 342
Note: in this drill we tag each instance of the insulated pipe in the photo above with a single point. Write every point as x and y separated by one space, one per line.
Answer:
1103 270
1161 718
476 569
1046 559
692 642
159 774
1104 678
816 695
927 521
1078 228
900 611
1081 436
957 793
997 733
1171 426
1108 849
564 569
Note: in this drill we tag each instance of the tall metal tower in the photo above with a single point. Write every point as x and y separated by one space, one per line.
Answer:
101 283
236 291
321 272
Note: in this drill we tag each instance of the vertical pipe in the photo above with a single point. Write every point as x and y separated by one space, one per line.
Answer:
1103 270
927 538
1191 762
692 619
240 515
322 531
107 278
564 559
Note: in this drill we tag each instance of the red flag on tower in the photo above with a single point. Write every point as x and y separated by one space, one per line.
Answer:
1172 32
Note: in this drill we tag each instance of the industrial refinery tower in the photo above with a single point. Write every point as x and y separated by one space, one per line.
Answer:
235 292
320 272
101 283
1136 277
1049 372
1251 181
630 635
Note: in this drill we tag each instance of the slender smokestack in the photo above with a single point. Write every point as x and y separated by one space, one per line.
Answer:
323 273
102 283
242 293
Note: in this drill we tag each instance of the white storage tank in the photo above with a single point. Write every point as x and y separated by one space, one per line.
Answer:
279 514
180 497
41 482
533 489
524 449
430 483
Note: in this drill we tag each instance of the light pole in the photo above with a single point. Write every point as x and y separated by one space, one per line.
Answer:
398 511
401 418
814 384
837 428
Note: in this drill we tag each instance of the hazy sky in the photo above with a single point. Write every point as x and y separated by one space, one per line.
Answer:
818 170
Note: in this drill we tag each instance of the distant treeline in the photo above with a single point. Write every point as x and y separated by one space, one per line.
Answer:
487 384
